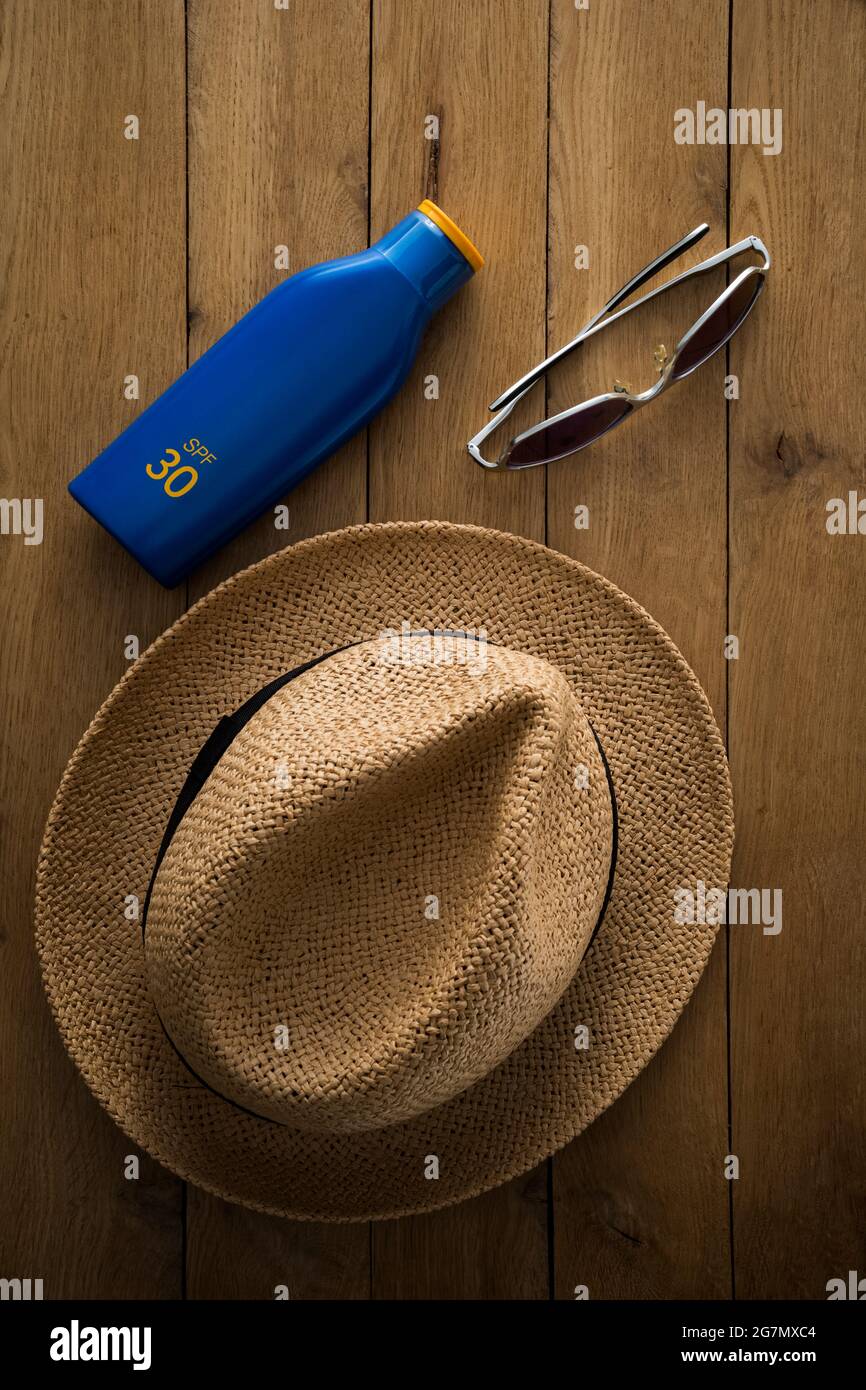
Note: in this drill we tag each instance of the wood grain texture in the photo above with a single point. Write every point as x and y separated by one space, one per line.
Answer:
275 160
482 69
640 1203
798 605
92 290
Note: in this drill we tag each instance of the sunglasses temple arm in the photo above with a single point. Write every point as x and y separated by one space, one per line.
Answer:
654 266
673 253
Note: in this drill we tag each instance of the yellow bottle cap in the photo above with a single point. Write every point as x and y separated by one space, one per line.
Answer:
453 232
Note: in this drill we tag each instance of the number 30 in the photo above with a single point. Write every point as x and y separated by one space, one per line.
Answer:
172 478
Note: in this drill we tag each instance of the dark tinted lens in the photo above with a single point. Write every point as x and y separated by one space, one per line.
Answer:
718 328
563 437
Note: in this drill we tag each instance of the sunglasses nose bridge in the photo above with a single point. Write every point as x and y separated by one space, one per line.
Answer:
664 376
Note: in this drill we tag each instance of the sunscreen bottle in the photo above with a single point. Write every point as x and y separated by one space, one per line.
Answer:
299 374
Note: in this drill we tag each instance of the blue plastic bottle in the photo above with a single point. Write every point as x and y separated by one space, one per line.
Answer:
284 388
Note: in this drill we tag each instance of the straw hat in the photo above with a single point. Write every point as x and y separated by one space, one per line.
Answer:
405 922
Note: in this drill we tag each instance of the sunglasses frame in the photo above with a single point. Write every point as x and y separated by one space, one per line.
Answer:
505 403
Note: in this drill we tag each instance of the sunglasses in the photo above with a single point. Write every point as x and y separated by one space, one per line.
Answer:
580 425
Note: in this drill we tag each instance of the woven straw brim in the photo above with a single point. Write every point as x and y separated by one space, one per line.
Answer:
674 809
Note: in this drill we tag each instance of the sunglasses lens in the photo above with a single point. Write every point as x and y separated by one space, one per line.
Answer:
562 437
719 327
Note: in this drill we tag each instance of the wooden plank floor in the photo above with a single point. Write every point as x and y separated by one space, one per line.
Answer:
305 126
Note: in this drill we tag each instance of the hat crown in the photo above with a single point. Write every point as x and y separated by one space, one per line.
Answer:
386 882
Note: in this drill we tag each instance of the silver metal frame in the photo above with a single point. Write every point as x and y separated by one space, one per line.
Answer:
505 403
